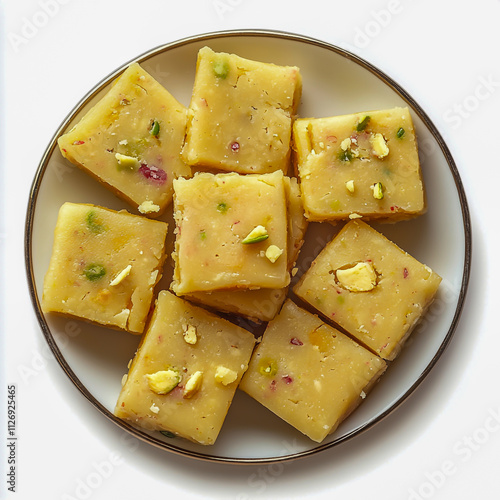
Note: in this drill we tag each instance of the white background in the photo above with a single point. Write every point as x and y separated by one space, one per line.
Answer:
444 442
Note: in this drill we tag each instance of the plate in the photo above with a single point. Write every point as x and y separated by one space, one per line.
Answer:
335 82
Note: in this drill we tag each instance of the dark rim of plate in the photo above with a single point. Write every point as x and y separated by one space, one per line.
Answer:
141 434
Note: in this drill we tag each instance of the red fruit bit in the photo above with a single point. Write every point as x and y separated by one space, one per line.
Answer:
78 143
273 385
287 379
235 147
153 173
296 341
405 273
64 150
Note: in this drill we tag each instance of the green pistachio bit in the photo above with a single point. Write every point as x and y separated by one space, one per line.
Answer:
268 367
221 68
340 299
168 434
362 124
155 128
256 235
92 223
203 235
93 272
126 162
378 191
400 133
222 207
345 155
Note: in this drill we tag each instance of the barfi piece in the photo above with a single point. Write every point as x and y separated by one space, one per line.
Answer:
231 232
263 304
364 164
186 371
131 141
104 266
308 373
369 286
241 114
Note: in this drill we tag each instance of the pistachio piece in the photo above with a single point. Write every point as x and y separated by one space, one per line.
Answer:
225 375
358 278
127 162
363 122
221 67
273 253
93 272
193 385
190 334
378 191
256 235
350 186
380 148
163 381
147 207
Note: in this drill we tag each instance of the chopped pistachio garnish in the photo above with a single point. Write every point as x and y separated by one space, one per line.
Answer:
345 155
273 253
400 133
222 207
190 335
92 223
225 375
121 276
378 191
127 162
268 367
362 123
256 235
193 384
155 128
203 235
350 186
163 381
345 144
93 272
221 67
358 278
147 207
380 148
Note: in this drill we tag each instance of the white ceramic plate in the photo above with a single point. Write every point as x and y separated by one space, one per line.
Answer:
335 82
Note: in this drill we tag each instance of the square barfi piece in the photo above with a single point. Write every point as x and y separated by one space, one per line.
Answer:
104 266
263 304
231 232
308 373
364 164
241 114
131 141
185 372
369 286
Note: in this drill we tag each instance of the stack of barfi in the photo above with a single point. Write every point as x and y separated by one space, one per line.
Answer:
244 177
